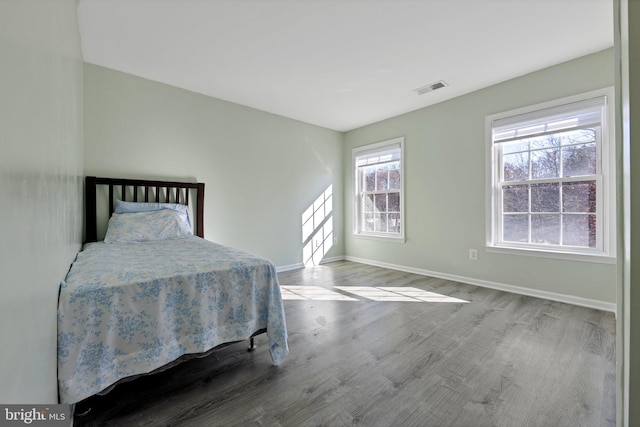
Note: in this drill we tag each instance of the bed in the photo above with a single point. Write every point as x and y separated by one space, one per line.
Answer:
151 294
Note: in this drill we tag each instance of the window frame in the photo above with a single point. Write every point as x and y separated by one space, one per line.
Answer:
372 149
605 178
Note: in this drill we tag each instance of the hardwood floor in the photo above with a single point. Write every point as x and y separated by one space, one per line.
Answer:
426 352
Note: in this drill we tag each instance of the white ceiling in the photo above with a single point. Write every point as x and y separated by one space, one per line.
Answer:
340 64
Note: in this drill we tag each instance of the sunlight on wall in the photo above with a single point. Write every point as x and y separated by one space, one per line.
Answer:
374 293
317 228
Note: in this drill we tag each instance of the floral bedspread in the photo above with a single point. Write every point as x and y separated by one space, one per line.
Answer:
130 308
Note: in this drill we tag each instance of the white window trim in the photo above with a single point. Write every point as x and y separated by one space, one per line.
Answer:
400 237
607 254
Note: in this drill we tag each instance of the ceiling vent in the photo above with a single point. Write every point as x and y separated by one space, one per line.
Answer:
430 87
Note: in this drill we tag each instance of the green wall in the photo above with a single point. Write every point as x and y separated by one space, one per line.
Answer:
445 167
41 170
261 171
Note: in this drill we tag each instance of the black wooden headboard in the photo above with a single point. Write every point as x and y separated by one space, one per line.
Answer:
141 191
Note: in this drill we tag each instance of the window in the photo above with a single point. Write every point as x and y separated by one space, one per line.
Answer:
551 179
379 189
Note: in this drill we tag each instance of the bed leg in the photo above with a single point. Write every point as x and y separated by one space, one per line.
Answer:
82 410
251 345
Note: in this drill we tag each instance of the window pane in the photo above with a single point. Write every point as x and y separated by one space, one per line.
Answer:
515 198
394 223
579 196
579 136
515 146
394 202
369 179
381 202
368 203
369 222
515 167
545 197
546 141
545 163
515 228
579 230
381 177
382 223
394 176
545 229
579 160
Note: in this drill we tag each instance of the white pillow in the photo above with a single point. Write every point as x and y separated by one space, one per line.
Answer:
164 224
130 207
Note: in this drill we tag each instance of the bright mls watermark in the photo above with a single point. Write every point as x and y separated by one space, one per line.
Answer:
36 415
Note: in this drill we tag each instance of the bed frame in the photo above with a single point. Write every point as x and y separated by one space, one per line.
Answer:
151 191
141 191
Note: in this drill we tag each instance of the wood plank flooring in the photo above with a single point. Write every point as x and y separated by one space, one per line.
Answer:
422 352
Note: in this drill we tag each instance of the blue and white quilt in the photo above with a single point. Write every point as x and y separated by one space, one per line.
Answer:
129 308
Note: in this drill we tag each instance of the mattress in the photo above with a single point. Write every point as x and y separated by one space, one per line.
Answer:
130 308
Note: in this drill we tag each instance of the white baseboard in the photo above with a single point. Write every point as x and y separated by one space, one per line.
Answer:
332 259
300 265
569 299
289 267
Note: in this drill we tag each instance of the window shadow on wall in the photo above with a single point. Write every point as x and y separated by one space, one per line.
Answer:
317 228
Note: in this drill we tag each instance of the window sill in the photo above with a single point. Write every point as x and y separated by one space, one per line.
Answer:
380 237
541 253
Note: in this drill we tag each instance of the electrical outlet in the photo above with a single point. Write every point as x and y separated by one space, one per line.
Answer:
473 254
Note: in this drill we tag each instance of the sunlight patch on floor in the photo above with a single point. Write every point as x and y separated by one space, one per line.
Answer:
315 293
408 294
374 293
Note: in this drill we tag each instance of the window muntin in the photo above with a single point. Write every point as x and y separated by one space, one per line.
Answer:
379 184
548 185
